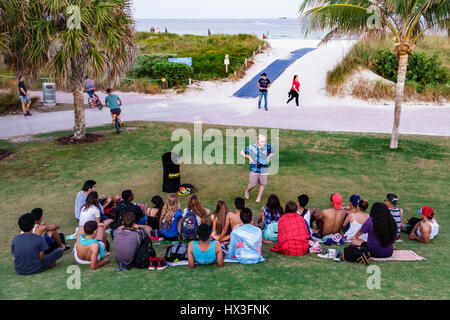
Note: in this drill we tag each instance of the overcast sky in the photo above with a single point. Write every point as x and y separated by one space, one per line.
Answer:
195 9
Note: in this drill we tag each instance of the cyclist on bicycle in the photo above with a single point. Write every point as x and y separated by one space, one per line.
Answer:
90 87
113 102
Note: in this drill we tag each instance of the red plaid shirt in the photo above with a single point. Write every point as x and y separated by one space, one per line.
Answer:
292 235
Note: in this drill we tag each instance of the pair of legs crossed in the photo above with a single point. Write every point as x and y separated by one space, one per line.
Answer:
253 181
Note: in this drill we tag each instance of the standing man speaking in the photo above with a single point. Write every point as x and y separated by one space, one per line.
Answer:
259 155
263 86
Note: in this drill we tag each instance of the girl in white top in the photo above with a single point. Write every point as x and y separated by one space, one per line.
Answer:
90 210
356 220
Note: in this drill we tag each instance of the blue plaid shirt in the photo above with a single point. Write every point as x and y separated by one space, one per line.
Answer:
259 163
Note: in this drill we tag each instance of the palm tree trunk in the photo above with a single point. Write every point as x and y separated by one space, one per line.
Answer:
399 94
79 128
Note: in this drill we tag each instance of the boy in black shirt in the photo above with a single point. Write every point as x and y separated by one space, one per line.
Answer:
24 97
263 86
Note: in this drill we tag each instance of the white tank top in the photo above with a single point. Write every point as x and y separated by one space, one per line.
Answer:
354 228
434 230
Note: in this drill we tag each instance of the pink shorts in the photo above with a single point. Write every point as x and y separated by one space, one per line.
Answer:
258 177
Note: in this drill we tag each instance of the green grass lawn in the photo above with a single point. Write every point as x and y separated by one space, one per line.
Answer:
42 174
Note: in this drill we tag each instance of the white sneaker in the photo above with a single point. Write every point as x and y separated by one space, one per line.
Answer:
246 195
330 254
258 200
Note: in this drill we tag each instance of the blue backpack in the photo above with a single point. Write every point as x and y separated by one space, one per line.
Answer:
271 232
189 226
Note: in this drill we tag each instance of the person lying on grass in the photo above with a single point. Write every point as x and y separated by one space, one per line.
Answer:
293 233
28 249
204 251
90 246
329 221
381 232
246 240
233 218
128 237
53 239
424 229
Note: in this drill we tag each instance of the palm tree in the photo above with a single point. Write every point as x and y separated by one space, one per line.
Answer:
406 20
70 39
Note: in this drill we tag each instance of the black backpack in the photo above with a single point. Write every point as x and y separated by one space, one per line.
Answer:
143 253
359 254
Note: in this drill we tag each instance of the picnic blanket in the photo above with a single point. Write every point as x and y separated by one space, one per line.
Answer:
186 263
402 255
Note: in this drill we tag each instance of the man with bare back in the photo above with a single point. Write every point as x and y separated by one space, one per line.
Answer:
329 221
90 248
233 218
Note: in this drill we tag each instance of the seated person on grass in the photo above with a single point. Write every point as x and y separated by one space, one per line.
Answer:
196 207
381 232
28 249
171 219
246 241
90 246
329 221
126 205
204 251
303 200
355 220
91 211
219 221
352 204
293 232
53 239
233 218
271 212
154 213
424 229
128 237
88 187
112 205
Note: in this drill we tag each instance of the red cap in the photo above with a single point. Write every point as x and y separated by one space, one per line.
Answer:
426 211
337 201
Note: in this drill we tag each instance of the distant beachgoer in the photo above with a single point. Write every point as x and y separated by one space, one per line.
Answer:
209 32
152 30
165 30
294 93
263 86
24 97
158 30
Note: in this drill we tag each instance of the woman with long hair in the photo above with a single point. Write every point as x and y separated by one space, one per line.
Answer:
271 212
381 231
196 206
90 211
154 213
170 218
295 91
218 219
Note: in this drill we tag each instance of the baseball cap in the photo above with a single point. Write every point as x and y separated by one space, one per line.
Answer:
426 211
337 201
354 199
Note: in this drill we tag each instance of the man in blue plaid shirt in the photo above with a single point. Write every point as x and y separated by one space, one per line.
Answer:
259 155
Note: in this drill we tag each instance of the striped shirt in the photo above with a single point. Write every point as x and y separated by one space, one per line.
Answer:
396 214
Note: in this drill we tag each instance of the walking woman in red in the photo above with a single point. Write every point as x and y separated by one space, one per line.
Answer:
294 93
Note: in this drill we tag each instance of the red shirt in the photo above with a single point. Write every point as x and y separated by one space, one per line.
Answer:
296 85
293 235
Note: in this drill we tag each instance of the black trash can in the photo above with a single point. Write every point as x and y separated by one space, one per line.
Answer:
171 172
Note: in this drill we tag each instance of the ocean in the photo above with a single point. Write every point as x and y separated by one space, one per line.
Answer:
275 28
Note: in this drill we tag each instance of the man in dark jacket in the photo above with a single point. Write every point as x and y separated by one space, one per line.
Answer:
125 205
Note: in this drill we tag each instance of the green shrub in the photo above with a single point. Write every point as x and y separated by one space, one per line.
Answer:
175 73
421 68
144 66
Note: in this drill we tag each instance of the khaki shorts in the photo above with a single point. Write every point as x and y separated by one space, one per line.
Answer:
258 177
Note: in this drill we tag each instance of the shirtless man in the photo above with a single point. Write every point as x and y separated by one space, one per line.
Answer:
47 230
329 221
89 248
233 218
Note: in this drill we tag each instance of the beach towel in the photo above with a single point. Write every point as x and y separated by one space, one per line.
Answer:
245 244
402 255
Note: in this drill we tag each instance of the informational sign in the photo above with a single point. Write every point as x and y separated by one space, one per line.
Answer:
187 60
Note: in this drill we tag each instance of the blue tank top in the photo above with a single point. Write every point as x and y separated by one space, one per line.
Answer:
207 257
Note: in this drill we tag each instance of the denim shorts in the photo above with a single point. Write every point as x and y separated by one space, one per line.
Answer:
24 99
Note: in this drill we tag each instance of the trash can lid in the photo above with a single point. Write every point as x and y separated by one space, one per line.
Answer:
171 157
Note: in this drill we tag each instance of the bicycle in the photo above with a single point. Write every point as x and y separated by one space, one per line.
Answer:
117 123
95 101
